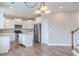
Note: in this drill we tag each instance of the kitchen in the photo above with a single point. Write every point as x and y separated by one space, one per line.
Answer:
17 30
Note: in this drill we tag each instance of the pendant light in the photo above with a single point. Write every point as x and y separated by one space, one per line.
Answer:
43 9
38 11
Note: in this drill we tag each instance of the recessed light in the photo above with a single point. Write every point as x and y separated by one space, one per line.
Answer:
38 12
11 7
61 7
47 12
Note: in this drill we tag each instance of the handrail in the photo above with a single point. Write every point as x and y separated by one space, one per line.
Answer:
75 30
72 41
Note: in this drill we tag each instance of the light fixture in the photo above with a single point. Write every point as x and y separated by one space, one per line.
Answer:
43 9
47 12
61 7
31 4
38 11
10 7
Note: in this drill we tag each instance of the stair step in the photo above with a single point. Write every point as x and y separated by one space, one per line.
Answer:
75 53
76 50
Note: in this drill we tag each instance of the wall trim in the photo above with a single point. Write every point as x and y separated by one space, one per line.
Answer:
49 44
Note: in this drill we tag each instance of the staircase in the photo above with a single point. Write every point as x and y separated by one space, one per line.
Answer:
74 46
76 51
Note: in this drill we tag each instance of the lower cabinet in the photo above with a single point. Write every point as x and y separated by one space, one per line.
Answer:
22 39
4 44
26 39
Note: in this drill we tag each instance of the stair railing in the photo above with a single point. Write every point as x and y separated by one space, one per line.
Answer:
72 40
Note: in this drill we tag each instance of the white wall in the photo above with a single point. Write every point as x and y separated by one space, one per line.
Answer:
44 30
60 26
1 19
76 34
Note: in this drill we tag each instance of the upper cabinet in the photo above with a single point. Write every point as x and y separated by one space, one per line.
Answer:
18 21
27 24
1 19
37 20
9 24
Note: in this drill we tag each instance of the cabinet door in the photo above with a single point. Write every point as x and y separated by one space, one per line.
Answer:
18 21
29 39
9 24
4 43
27 24
22 39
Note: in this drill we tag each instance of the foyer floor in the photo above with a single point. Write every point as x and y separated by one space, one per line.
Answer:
37 50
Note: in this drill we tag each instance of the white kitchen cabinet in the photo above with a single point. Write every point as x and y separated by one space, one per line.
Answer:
37 20
18 21
26 39
22 39
9 24
12 37
27 24
4 43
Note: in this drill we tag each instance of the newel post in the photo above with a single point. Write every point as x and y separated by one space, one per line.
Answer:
72 44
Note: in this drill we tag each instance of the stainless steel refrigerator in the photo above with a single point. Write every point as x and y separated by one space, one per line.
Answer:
37 33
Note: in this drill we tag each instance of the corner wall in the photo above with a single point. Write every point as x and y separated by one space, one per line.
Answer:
44 30
60 26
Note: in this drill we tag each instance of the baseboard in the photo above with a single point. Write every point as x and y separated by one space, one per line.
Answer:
58 44
75 53
3 51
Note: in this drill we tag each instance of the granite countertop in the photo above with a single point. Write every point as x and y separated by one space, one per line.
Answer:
4 34
13 30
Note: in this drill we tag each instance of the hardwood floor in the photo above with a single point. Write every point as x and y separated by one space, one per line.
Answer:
37 50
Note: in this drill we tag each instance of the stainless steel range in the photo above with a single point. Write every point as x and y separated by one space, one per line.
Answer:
18 30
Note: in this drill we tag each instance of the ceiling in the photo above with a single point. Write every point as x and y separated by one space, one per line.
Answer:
21 10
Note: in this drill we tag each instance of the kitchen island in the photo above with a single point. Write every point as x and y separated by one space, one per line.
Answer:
26 38
4 42
8 35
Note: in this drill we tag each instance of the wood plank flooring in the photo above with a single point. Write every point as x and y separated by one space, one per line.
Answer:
37 50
